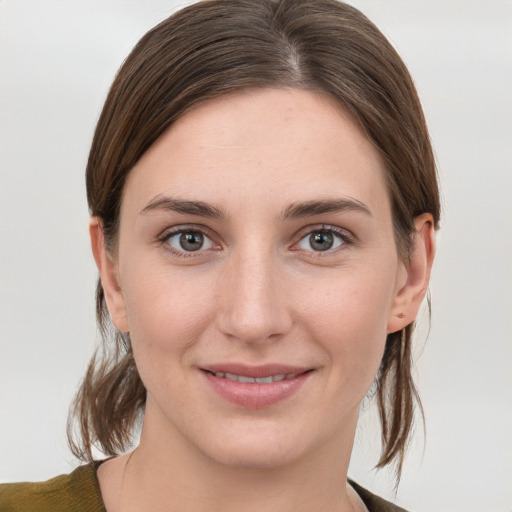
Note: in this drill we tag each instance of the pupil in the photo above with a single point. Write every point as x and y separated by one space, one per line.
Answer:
191 241
321 241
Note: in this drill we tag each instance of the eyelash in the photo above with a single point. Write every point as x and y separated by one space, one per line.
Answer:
167 235
342 236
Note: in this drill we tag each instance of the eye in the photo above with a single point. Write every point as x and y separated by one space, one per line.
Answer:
322 240
188 240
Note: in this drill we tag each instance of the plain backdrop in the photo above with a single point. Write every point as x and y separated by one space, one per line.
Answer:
57 60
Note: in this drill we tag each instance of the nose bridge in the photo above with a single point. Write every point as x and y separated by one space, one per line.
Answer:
253 305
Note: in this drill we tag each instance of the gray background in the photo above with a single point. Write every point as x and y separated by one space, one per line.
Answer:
57 60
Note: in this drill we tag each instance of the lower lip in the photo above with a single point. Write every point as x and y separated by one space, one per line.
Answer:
255 395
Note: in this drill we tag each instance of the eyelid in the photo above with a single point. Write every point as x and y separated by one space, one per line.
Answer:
346 237
169 232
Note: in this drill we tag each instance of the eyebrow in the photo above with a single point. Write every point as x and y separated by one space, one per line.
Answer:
318 207
295 210
199 208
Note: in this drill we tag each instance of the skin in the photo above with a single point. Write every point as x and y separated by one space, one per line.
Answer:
257 292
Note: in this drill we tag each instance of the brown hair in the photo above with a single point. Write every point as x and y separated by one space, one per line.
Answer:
216 47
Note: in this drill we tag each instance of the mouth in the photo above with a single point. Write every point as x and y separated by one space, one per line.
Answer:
254 380
255 387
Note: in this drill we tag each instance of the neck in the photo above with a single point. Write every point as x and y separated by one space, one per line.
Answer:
176 476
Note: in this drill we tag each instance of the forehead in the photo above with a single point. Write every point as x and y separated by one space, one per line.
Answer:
259 146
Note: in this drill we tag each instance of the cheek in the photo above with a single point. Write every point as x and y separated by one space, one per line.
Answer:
166 315
350 321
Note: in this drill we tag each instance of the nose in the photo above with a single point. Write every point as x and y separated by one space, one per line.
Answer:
253 302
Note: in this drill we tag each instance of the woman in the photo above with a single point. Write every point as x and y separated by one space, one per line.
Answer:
263 203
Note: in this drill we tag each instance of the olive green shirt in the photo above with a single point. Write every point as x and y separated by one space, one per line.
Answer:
80 492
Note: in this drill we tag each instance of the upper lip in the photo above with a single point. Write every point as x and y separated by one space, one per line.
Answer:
265 370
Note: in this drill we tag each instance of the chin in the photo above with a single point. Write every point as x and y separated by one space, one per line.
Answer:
256 457
268 447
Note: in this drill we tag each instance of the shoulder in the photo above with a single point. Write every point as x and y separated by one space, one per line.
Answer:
373 502
78 491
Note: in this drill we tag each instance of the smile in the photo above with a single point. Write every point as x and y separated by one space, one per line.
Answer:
255 387
254 380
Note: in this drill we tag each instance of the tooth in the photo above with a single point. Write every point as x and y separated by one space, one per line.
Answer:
263 380
241 378
252 380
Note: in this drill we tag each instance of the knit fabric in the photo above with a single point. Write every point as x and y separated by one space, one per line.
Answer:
77 492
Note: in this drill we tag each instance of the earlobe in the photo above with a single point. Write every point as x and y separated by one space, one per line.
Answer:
409 297
108 270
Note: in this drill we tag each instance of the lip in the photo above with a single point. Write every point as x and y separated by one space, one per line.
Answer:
255 395
260 371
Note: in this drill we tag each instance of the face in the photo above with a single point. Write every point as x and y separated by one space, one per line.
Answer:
258 277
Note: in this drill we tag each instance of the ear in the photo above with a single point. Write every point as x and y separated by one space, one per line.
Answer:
108 269
413 288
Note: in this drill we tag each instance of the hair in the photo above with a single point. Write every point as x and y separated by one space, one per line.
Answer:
217 47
